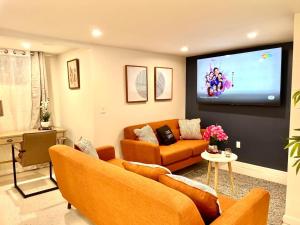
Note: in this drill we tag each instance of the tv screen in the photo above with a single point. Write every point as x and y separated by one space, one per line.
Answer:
249 78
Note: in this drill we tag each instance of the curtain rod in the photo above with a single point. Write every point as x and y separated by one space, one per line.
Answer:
15 51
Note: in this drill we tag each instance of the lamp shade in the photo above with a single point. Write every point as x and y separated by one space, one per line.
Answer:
1 109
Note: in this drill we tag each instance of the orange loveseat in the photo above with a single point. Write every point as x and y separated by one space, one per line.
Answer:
176 156
110 195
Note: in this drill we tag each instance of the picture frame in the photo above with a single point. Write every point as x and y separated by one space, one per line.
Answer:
163 83
73 74
136 83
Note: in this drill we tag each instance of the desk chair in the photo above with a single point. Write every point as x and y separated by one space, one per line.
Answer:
34 151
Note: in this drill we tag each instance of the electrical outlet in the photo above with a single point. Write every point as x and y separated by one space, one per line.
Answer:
238 144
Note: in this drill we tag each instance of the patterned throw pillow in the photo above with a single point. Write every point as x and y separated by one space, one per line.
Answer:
190 129
86 146
146 134
204 197
165 135
152 171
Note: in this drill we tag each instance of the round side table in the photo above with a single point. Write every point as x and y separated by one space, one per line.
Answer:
216 160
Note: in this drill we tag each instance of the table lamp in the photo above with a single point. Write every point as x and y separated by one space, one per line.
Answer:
1 110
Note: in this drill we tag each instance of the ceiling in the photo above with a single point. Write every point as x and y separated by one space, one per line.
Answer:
152 25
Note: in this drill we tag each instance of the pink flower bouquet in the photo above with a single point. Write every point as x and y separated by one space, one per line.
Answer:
215 135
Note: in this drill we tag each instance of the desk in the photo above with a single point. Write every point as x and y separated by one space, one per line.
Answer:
16 137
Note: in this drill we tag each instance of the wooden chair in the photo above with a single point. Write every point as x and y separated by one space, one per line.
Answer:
34 151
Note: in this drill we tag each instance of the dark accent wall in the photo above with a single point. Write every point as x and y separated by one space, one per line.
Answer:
261 130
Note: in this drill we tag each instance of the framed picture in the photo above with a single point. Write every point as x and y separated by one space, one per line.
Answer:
163 83
136 83
73 74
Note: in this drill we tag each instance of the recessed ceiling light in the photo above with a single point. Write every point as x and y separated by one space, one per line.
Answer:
26 45
252 35
184 49
96 33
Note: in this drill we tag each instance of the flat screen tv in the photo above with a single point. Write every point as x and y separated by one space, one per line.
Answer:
248 78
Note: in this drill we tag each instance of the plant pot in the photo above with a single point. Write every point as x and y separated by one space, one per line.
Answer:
45 124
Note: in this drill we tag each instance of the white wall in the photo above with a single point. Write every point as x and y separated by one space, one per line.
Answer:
292 214
99 110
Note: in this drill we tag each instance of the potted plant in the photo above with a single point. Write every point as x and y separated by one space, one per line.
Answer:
294 141
45 114
216 136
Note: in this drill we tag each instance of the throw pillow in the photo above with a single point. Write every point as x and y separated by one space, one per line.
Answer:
86 146
165 135
151 171
204 197
190 129
146 134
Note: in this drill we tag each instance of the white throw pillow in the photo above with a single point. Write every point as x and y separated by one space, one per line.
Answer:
190 129
151 166
86 146
146 134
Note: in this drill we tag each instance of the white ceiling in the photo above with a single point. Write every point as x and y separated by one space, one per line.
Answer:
152 25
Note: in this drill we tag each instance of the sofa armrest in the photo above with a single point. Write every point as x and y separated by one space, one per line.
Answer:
140 151
106 152
250 210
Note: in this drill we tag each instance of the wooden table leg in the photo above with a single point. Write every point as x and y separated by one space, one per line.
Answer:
231 178
216 176
208 172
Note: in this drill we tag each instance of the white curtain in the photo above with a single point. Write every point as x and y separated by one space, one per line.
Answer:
39 88
15 91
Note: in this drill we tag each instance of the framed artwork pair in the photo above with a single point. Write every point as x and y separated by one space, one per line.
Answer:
137 83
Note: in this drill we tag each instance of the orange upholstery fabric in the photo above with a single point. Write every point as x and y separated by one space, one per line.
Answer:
205 202
176 156
140 151
226 202
107 194
173 124
106 152
175 152
197 146
146 171
184 163
117 162
250 210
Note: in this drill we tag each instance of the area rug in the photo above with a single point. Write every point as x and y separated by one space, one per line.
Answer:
243 184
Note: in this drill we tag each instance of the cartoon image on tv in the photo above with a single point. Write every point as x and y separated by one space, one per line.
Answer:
217 82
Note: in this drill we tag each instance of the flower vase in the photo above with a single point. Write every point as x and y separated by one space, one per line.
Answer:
45 124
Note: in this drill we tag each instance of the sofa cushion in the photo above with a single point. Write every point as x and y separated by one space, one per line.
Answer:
151 171
173 124
165 135
198 146
175 152
190 129
146 134
204 197
117 162
85 145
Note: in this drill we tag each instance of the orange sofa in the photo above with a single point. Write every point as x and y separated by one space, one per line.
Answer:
176 156
108 194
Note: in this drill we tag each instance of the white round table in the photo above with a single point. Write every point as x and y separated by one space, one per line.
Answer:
219 159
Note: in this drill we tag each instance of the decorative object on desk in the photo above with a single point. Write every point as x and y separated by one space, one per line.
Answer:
294 141
1 109
73 74
136 83
45 114
216 136
163 83
228 152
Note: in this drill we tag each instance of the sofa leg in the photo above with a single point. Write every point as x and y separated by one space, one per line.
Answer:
69 205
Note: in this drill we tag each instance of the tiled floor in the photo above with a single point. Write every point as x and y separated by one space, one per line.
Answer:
51 209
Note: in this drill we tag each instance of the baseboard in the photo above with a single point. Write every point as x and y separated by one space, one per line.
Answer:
290 220
265 173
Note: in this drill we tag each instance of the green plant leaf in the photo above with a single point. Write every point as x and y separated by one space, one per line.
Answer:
296 97
297 169
290 144
292 152
297 161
